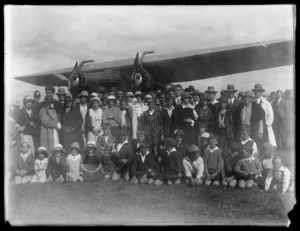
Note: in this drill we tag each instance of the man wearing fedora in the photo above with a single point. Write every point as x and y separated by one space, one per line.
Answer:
268 134
49 92
252 115
212 102
233 103
61 94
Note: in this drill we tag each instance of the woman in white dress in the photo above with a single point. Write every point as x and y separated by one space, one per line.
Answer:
93 120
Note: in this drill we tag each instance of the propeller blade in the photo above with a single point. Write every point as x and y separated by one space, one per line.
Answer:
135 63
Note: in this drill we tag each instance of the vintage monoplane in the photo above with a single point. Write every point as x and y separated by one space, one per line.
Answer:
146 72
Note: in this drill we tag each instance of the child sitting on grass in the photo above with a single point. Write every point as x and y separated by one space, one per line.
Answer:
91 163
213 162
24 164
266 158
143 168
40 166
171 162
193 166
279 177
122 158
57 166
248 170
106 139
108 166
204 143
73 161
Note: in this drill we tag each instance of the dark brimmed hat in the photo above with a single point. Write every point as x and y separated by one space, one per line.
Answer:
248 94
192 149
170 141
211 90
179 132
61 91
50 88
41 150
223 99
90 144
230 88
36 94
68 99
258 87
75 145
151 100
106 126
197 93
186 95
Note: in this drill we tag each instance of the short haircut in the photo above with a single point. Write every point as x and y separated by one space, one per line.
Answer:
277 157
178 85
245 128
279 91
213 136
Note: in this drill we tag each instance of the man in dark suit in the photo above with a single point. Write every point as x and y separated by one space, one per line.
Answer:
168 118
277 106
233 103
178 91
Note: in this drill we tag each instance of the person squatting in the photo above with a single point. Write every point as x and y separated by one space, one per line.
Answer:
168 136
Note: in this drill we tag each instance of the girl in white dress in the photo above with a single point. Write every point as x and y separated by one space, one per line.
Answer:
40 166
74 161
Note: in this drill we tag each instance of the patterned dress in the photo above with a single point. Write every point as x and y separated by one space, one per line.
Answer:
40 167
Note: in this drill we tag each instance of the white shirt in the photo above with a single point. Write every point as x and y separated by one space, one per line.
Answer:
172 150
279 100
143 157
123 113
231 100
170 110
282 175
151 112
29 112
119 146
195 167
83 110
212 150
269 115
178 100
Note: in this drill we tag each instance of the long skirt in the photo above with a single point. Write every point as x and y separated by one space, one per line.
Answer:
49 138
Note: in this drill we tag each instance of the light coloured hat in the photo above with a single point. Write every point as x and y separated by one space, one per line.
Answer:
94 94
129 94
248 94
16 103
58 147
134 100
84 94
111 97
97 99
91 143
27 98
148 96
205 135
75 145
43 150
138 93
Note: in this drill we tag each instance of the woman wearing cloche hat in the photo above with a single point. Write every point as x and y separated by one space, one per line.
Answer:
71 121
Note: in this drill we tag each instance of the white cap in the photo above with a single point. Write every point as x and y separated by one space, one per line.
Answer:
94 94
205 135
42 149
58 146
111 97
96 98
148 96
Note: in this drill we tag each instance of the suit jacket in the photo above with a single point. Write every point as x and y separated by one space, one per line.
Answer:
168 122
24 119
228 124
56 105
55 169
153 122
171 163
258 114
139 168
27 165
235 117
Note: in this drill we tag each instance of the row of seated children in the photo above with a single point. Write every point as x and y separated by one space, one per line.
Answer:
191 164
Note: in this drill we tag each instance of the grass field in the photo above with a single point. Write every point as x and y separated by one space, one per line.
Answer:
121 203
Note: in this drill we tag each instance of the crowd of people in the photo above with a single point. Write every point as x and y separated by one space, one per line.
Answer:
168 136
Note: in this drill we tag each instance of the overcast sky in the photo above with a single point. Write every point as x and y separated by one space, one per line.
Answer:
43 38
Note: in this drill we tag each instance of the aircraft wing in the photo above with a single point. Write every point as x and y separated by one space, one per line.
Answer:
187 66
